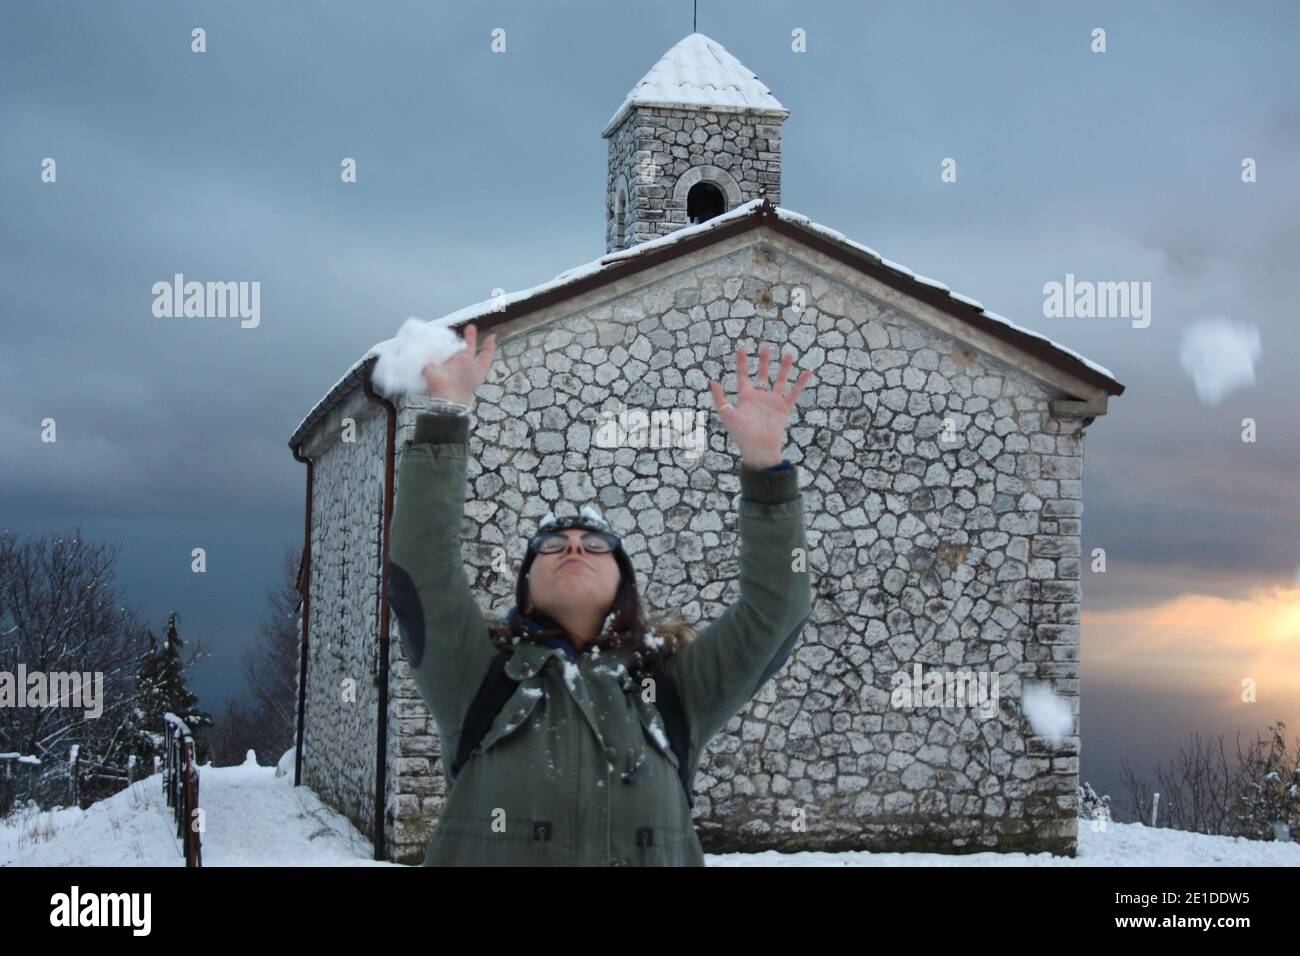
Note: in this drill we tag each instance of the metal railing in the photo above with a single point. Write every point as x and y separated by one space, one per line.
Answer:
20 775
181 785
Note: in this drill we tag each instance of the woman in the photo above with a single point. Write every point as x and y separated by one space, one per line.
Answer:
577 765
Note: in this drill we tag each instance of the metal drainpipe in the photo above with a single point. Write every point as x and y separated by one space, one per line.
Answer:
381 742
306 623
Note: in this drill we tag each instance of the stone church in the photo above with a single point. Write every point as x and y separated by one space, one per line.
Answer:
940 455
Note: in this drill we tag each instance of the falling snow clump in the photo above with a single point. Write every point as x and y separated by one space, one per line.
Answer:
1220 357
1048 714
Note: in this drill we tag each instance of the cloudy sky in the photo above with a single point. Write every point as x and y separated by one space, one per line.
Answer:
480 170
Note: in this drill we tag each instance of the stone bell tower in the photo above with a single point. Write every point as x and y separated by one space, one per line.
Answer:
696 137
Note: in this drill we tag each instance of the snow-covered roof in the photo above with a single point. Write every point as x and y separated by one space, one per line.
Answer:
794 217
759 210
699 72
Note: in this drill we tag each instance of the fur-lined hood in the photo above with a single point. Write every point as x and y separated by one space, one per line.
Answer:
664 636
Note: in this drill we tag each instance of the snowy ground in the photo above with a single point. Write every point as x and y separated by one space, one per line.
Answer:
255 818
1122 844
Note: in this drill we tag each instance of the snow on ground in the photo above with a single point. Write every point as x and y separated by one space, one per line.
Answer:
1120 845
255 818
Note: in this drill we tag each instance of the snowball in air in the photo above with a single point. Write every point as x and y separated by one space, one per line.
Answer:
1220 357
1048 714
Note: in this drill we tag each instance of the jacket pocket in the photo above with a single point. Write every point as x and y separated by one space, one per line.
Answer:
460 840
665 846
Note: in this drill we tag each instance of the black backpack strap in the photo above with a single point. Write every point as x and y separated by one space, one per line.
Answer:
497 688
669 703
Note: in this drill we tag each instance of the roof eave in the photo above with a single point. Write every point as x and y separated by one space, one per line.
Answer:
618 268
621 113
944 301
355 377
764 213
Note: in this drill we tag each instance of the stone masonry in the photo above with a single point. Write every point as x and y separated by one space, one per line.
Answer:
943 499
657 154
952 554
341 732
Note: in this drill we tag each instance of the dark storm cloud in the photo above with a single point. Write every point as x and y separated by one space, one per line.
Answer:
479 171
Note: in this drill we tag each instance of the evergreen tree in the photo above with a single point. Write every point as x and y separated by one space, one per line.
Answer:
160 690
143 727
1271 802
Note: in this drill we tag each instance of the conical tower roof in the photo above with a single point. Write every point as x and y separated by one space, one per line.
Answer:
698 73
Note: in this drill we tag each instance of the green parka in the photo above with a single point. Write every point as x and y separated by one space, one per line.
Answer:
576 769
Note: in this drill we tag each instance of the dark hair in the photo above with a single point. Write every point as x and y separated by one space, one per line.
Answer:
652 641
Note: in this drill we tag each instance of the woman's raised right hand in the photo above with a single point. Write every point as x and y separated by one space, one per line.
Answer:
458 377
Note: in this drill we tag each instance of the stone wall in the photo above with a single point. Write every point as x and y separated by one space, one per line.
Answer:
654 148
944 508
340 735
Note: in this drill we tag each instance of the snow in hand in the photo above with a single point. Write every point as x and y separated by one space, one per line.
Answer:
401 358
1220 357
1049 715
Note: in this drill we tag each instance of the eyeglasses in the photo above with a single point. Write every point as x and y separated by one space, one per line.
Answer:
594 542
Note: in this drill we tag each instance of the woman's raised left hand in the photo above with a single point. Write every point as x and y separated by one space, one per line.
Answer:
758 420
